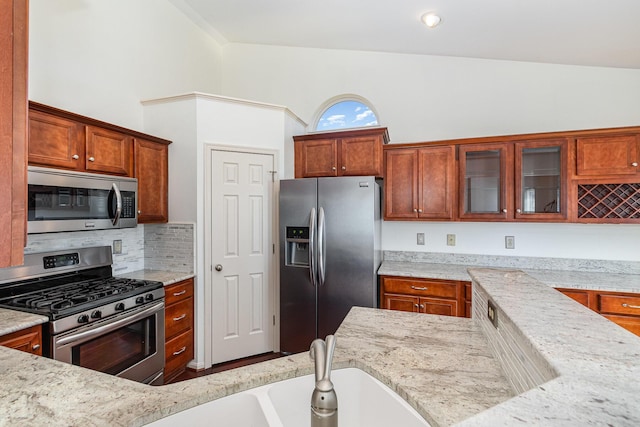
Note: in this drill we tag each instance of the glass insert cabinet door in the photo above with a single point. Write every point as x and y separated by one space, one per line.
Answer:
541 179
484 174
522 181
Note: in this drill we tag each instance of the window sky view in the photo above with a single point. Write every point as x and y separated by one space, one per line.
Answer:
347 114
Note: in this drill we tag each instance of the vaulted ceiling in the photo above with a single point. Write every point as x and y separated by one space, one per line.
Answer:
576 32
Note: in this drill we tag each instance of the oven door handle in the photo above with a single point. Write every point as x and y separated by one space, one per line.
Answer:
110 326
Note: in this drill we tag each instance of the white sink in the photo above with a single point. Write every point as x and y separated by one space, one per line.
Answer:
362 401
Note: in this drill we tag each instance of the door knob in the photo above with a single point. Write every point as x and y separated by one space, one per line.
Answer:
218 267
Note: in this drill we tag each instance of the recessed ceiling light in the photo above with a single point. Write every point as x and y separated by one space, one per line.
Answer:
430 19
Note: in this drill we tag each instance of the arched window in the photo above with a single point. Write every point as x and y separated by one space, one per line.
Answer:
344 112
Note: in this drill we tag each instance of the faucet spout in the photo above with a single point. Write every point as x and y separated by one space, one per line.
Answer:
324 402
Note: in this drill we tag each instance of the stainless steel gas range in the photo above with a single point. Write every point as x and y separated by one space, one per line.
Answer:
97 321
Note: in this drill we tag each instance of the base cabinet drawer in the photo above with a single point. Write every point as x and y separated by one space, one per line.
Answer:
178 318
430 296
28 340
178 352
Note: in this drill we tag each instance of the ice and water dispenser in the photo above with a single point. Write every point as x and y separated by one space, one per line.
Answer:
297 249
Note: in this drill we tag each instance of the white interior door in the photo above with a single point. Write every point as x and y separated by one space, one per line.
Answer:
241 254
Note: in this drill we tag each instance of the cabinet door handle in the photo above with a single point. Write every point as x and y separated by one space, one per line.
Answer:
182 292
92 159
175 319
419 288
182 350
625 305
75 157
421 305
504 210
416 305
333 168
519 210
344 168
634 164
419 210
35 347
415 210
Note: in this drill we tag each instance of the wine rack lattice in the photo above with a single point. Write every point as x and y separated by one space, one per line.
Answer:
619 201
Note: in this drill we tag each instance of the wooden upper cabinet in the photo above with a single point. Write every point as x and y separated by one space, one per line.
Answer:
55 141
420 183
316 158
108 152
361 156
608 155
344 153
60 142
13 130
486 181
401 184
523 181
151 170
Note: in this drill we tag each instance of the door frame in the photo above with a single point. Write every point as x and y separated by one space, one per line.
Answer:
273 265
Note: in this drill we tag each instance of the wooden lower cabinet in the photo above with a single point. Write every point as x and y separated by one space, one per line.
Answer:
622 308
28 340
178 328
430 296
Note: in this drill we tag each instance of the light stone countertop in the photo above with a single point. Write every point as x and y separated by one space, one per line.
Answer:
596 364
12 320
615 282
164 276
441 365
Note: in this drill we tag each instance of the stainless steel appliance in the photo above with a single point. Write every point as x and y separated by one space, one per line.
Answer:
61 200
329 254
97 321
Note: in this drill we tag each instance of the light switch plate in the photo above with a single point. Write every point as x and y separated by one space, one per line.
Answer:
451 239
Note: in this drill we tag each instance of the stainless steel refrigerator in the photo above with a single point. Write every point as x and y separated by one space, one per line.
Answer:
329 254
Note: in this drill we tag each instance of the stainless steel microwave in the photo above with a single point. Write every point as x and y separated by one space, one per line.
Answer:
61 200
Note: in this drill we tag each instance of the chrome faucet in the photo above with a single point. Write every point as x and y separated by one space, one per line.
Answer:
324 402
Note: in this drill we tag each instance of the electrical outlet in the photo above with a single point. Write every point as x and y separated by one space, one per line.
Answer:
451 239
509 242
492 313
420 238
117 247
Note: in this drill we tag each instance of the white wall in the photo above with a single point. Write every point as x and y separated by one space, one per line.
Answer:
423 98
101 58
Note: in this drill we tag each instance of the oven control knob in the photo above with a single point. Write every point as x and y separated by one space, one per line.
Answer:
97 314
149 297
83 318
119 306
140 300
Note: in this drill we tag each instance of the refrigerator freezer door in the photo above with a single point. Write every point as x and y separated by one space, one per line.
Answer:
348 236
297 292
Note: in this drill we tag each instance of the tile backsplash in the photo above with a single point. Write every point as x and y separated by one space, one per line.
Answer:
151 246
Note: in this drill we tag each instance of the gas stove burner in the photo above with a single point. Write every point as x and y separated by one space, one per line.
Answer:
66 299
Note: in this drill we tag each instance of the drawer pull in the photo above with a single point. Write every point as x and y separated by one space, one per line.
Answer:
175 319
419 288
182 350
625 305
182 292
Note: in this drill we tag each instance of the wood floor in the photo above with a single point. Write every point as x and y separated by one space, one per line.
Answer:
189 373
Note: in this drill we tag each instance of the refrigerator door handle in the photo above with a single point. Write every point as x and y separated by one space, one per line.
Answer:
312 246
321 247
